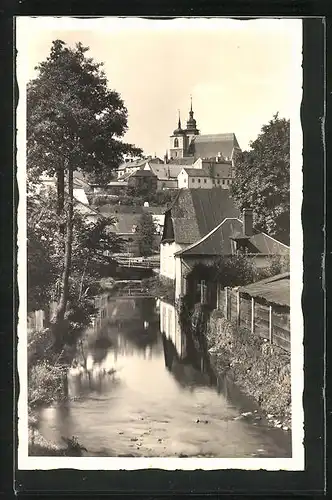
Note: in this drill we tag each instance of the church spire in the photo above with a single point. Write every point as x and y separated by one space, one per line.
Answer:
191 123
179 130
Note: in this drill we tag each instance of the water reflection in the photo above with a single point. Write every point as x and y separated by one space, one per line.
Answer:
146 391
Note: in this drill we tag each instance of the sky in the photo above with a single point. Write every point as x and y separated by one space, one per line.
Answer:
239 73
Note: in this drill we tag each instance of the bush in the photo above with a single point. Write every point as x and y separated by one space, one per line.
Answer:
45 384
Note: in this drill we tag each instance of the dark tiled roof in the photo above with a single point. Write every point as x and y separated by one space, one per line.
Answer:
275 289
208 146
165 172
196 212
218 241
186 161
264 244
134 163
143 173
196 172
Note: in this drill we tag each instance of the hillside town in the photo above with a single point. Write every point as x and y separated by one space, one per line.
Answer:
181 261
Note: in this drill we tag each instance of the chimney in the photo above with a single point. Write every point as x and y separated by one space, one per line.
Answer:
247 222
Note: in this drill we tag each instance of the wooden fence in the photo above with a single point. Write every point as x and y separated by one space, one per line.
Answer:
269 321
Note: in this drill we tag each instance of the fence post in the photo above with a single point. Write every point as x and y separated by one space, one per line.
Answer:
271 324
252 315
238 319
226 302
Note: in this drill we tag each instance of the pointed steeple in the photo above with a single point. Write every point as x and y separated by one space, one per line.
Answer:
179 130
191 123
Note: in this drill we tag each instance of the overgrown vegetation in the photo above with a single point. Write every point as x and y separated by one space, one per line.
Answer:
134 197
261 370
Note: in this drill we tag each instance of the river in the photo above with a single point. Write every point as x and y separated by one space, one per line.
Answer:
148 394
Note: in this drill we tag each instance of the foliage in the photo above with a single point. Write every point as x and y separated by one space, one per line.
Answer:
73 117
131 197
234 270
262 179
45 383
45 261
146 231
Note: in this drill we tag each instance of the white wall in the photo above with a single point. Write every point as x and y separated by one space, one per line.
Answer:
183 179
200 182
167 260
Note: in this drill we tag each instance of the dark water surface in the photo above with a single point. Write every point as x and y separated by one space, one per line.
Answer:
147 394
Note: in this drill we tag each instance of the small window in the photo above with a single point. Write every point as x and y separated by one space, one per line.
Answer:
199 180
223 181
193 180
204 181
217 175
176 143
218 181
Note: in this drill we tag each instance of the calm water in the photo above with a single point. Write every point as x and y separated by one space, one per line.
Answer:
149 394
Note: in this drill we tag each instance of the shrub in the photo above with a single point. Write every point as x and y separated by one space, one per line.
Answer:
45 384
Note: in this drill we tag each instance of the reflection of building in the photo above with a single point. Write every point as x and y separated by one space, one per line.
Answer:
170 327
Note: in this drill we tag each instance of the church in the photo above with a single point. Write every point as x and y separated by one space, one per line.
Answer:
188 143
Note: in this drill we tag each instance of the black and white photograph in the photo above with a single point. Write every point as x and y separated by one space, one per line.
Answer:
159 167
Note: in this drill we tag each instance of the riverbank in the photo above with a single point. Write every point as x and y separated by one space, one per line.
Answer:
260 370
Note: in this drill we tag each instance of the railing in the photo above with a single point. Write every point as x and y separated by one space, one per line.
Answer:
139 262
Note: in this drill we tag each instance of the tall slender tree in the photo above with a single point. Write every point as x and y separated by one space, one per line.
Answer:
74 122
262 177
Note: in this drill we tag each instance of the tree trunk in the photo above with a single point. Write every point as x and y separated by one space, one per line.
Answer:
61 309
61 197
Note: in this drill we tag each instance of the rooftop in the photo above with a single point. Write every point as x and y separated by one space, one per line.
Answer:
275 289
196 212
196 172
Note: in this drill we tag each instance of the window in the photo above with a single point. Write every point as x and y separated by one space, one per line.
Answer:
218 181
204 181
193 180
199 180
176 143
223 181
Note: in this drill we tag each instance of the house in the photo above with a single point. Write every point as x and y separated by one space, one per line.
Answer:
127 220
192 215
143 179
203 225
194 178
220 170
167 175
132 165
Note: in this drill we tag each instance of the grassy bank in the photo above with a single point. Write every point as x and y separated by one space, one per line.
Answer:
47 384
260 370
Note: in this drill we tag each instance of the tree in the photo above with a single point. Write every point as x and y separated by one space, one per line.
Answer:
74 122
262 179
146 233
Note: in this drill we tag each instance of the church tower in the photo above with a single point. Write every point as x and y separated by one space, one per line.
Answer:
191 130
178 142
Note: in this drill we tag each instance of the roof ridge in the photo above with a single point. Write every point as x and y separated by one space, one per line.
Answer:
193 245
